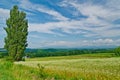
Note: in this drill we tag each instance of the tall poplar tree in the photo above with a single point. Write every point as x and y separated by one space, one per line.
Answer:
17 31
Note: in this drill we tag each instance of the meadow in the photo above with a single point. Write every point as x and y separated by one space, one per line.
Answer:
100 66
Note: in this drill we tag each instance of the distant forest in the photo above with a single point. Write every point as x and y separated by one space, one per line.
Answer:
58 52
64 52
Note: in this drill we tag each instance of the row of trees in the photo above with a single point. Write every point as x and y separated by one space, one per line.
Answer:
64 52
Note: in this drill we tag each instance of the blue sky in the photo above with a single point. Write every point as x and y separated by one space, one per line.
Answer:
67 23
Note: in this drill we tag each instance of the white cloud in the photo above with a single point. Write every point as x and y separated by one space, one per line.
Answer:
4 14
81 27
103 41
83 43
56 14
1 44
26 4
98 21
113 4
93 10
48 27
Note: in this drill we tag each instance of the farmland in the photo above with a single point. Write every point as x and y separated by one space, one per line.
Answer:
77 67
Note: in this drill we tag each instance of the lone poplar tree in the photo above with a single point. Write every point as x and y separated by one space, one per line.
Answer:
17 31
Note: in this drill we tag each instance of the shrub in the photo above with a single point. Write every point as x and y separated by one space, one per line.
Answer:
23 59
41 71
117 51
1 56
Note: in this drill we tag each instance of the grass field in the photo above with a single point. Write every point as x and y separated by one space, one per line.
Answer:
82 56
9 71
78 67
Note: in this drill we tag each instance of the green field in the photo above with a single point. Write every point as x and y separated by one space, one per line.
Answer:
79 67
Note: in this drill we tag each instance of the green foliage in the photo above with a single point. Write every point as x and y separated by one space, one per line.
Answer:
10 71
64 52
17 31
23 58
41 71
5 68
3 54
117 51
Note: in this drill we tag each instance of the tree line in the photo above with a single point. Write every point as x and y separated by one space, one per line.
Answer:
63 52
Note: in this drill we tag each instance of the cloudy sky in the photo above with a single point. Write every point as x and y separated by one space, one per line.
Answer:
67 23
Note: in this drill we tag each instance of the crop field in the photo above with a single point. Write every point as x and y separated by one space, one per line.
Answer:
78 67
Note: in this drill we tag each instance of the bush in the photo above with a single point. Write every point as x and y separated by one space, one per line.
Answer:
117 51
23 59
41 71
3 54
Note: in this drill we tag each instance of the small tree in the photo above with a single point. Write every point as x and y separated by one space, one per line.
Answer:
117 51
17 31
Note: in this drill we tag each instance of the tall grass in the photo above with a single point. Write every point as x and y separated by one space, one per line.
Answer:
10 71
83 67
79 68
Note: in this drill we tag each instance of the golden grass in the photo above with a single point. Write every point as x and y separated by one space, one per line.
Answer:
79 68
